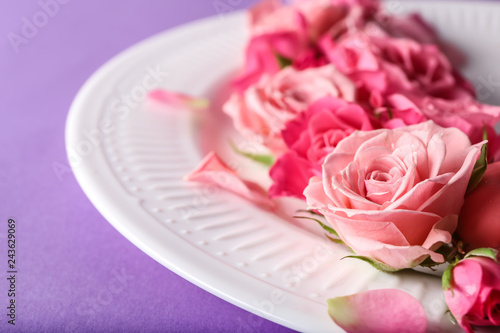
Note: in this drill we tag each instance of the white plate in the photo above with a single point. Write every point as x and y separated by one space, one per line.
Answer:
129 159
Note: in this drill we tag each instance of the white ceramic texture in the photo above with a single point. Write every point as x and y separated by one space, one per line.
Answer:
129 157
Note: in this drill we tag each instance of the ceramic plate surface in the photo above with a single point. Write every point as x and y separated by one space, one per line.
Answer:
129 157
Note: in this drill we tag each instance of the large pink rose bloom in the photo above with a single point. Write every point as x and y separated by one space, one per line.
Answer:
264 108
475 295
310 138
395 195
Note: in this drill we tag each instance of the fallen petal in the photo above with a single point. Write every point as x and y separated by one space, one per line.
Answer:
378 311
212 170
175 99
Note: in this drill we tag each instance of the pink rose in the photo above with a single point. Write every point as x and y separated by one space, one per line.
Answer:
414 27
479 222
264 108
474 298
292 32
310 138
465 113
406 65
317 17
261 56
395 195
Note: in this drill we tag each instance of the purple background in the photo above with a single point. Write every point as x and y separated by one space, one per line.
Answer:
76 273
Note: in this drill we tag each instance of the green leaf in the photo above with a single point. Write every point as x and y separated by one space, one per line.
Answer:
264 159
483 252
376 264
480 166
283 61
324 226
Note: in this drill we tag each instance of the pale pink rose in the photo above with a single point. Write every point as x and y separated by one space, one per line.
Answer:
354 57
395 195
213 171
479 221
378 311
316 17
270 16
330 17
264 108
310 138
279 30
474 297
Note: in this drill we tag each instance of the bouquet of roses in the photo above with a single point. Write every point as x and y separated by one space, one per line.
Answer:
366 119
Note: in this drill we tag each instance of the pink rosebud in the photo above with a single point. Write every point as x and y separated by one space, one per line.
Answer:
474 297
479 222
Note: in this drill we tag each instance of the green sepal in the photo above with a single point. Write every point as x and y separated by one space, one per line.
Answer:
324 226
312 212
446 278
483 252
452 317
338 241
264 159
375 263
283 61
480 166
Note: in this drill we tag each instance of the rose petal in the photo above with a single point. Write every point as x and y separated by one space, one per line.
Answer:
378 311
175 99
212 170
493 306
467 276
291 175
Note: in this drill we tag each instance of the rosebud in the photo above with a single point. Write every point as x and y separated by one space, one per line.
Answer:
479 222
473 292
